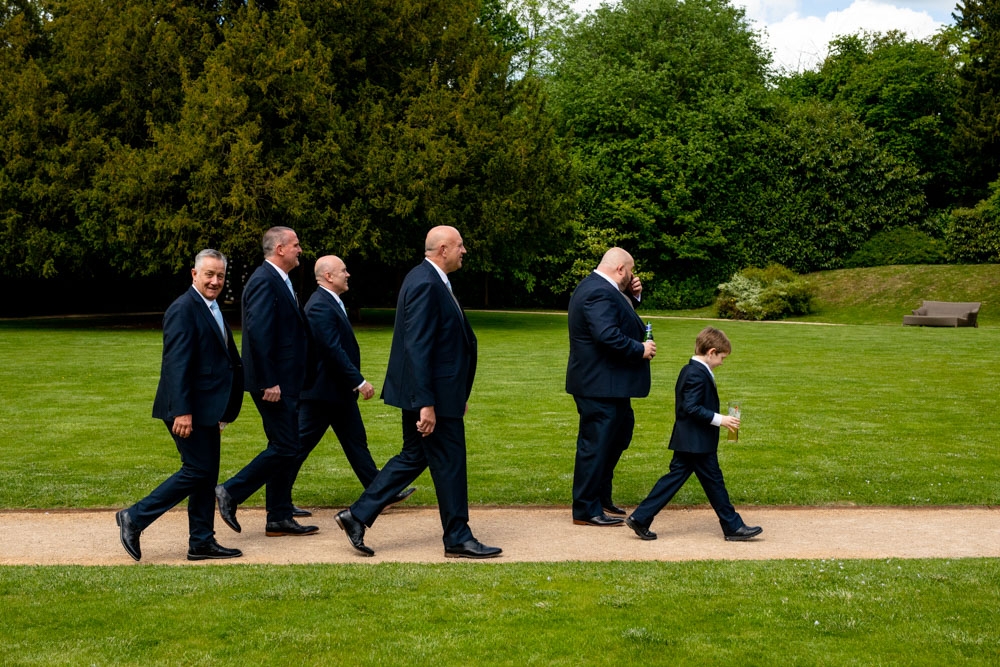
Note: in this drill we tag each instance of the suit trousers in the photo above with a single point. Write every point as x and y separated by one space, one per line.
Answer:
706 468
443 451
195 480
344 417
281 426
606 426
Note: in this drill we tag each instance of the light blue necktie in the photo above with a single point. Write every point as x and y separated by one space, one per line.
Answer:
217 314
291 289
342 307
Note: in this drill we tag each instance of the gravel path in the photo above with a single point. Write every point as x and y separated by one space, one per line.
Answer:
532 534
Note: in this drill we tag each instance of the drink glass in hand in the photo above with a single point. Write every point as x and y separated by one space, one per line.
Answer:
734 411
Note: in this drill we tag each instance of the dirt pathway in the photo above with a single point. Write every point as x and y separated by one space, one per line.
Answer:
413 535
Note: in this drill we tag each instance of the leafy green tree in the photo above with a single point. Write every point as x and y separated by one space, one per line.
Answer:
658 99
977 137
904 90
822 188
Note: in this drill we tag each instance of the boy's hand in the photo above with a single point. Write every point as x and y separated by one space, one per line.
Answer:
732 423
649 350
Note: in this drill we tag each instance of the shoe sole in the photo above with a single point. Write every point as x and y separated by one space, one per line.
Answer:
741 538
275 533
578 522
135 557
196 557
470 556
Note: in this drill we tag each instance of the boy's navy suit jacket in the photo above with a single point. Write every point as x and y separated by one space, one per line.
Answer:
696 401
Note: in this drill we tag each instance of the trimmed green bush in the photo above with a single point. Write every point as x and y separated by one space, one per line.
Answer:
764 294
903 245
973 234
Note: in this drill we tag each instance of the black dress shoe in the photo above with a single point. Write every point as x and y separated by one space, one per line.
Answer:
227 508
129 534
640 530
610 508
472 549
600 520
401 496
212 550
744 533
355 531
288 527
298 511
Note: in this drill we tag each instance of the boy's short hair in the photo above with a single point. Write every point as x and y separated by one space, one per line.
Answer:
711 337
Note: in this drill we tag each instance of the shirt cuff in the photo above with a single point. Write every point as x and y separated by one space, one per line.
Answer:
363 383
717 420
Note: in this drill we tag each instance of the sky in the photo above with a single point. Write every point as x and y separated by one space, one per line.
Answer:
797 31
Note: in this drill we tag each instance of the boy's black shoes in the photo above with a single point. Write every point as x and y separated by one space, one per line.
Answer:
744 533
640 530
227 508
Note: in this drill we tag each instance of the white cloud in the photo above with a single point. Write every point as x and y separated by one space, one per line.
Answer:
800 42
797 32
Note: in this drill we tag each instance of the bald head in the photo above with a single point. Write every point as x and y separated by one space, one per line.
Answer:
331 273
444 247
617 264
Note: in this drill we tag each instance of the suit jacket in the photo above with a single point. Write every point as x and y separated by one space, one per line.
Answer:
433 356
696 401
605 343
338 357
275 335
201 373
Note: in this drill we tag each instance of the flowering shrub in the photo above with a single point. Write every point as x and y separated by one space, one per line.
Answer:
764 294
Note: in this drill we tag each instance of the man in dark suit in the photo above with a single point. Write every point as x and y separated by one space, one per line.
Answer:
695 442
200 391
432 364
332 399
275 351
608 365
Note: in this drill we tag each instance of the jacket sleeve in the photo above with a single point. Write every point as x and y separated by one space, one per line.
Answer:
323 325
178 367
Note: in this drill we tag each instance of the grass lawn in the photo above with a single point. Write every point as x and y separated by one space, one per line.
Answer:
698 613
832 415
869 414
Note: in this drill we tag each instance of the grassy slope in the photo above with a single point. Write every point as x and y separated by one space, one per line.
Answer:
882 295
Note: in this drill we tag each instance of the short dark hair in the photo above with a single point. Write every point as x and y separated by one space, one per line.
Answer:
273 238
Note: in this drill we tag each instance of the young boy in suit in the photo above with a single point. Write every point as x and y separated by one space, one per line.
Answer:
695 441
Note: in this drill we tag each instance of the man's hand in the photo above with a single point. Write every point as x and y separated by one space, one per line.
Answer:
272 394
730 422
427 420
649 349
636 286
366 390
182 426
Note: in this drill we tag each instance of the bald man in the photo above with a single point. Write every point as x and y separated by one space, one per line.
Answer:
331 401
432 363
608 366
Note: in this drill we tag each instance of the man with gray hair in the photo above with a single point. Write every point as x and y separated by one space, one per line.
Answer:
275 350
200 391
